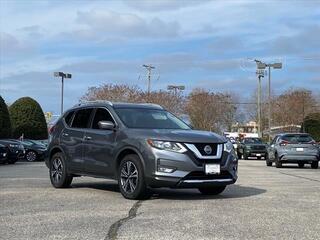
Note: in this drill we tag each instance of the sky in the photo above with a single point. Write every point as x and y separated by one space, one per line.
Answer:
199 44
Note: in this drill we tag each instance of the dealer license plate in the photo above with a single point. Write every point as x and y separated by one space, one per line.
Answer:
212 168
299 149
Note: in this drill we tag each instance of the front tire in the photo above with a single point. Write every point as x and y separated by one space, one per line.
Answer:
315 165
212 190
131 180
58 171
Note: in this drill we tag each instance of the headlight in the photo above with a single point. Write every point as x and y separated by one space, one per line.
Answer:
228 147
165 145
13 145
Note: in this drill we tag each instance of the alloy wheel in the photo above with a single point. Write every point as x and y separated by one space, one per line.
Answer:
56 170
31 156
129 177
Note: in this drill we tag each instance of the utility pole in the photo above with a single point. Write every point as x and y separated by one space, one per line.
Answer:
63 76
260 74
149 68
262 66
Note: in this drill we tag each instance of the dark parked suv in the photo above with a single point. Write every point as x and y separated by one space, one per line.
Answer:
140 145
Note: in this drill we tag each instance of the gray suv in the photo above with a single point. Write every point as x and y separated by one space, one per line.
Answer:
142 146
297 148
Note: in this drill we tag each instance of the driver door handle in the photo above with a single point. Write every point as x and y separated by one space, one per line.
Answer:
65 134
87 138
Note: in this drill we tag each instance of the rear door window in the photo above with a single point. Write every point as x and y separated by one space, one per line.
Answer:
82 118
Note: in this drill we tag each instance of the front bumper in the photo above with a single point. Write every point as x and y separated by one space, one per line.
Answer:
3 156
256 154
190 171
16 154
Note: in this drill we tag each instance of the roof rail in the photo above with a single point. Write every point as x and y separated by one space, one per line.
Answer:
92 102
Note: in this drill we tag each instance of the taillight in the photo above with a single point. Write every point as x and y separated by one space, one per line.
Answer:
51 129
283 143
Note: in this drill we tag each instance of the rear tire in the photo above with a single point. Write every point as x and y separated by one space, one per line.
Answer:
277 160
131 180
268 163
212 190
59 176
301 165
31 156
315 165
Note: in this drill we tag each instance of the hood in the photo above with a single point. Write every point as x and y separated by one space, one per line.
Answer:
175 135
255 144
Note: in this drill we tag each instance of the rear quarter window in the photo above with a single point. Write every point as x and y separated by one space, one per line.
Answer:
68 118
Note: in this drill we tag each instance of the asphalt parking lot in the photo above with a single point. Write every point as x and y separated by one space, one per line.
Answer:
266 203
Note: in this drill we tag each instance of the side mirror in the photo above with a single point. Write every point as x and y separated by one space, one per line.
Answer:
106 125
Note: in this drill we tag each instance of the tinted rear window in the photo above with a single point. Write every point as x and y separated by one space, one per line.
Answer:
297 138
81 119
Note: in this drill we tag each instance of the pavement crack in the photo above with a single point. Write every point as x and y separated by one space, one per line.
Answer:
114 228
297 176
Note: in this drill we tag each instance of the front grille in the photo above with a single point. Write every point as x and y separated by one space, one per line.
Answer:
258 147
201 146
202 176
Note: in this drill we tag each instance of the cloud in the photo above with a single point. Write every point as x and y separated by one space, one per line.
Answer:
32 31
304 41
11 46
123 25
162 5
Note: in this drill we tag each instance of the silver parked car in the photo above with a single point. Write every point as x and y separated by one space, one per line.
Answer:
297 148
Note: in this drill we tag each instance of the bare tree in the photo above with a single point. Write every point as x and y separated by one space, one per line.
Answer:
112 92
173 102
210 111
292 106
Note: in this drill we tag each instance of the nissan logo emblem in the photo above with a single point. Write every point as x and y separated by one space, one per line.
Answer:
207 149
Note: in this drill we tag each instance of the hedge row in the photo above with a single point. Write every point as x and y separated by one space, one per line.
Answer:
24 116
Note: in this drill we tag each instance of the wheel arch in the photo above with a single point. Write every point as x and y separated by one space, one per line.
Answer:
126 151
55 150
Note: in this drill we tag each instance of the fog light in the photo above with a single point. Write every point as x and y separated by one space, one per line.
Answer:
166 169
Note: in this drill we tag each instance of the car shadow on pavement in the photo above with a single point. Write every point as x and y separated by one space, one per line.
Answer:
107 186
232 191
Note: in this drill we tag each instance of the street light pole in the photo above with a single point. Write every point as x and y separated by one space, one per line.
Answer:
260 74
269 102
175 88
262 66
62 85
63 76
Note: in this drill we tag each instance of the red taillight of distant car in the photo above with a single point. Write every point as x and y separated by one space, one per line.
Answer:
283 143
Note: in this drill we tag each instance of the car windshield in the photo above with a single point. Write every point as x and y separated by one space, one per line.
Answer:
297 138
252 140
150 119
